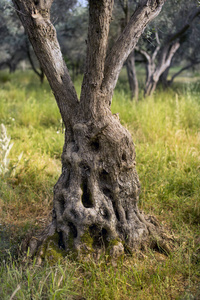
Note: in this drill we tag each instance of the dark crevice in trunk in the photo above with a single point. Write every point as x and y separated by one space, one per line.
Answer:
105 178
127 215
62 204
105 213
124 157
85 170
116 210
86 195
99 236
74 213
75 147
73 230
95 145
108 193
66 174
61 240
95 233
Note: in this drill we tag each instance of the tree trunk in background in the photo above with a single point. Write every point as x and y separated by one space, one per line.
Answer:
160 61
40 73
95 198
132 76
163 78
154 71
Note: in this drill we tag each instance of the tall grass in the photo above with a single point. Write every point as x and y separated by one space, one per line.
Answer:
165 129
166 133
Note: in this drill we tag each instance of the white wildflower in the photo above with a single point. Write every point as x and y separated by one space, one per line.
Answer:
5 147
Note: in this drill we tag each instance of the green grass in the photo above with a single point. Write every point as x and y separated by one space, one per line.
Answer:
166 133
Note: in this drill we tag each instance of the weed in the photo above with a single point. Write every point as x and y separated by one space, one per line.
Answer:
5 147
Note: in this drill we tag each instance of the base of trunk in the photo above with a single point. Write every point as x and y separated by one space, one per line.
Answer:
95 199
48 246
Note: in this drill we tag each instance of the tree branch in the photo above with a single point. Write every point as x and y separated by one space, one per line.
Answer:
30 59
195 13
35 17
143 53
157 37
183 69
125 44
157 47
165 60
100 12
122 4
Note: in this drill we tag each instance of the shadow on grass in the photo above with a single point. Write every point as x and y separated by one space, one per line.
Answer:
11 240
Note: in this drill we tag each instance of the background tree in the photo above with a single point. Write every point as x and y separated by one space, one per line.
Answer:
72 36
15 46
127 6
95 198
187 56
169 33
12 41
121 15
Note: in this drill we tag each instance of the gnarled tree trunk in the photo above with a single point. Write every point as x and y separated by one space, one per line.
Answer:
95 198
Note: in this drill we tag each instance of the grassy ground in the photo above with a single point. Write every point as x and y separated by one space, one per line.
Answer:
166 132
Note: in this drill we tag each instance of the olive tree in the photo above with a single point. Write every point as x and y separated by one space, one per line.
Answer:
171 30
95 198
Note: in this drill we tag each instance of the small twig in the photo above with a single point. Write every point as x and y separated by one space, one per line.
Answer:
60 280
15 292
17 10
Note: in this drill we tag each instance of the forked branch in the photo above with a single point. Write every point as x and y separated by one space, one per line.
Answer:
127 41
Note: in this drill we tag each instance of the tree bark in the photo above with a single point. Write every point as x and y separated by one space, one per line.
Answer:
95 198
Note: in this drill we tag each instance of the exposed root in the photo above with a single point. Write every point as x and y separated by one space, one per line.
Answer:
48 245
159 239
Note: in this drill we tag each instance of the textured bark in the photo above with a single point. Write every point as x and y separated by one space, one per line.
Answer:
95 198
